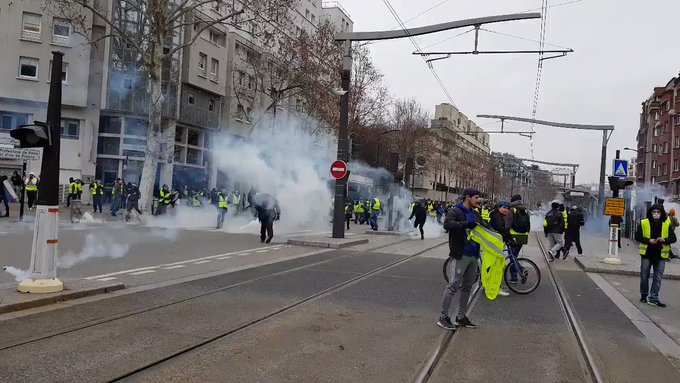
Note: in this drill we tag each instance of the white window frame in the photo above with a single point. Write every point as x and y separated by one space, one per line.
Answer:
61 39
676 120
37 68
653 164
214 68
64 70
676 165
665 147
202 62
653 148
64 125
28 34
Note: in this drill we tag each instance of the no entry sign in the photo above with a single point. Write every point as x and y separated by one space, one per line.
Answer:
339 170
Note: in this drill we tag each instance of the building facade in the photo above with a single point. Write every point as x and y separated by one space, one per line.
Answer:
658 139
106 89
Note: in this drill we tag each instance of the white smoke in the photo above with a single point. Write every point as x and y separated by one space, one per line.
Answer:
19 275
96 246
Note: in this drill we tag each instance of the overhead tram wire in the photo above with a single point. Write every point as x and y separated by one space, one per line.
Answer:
418 49
539 70
551 6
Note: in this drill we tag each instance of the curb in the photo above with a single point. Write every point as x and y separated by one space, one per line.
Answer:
591 267
393 233
60 297
329 245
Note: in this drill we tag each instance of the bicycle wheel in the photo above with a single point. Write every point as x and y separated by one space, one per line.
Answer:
445 269
528 279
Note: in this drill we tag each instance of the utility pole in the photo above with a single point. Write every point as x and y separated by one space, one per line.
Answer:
343 143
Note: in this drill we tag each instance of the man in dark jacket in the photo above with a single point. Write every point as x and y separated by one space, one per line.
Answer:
464 253
573 233
420 212
132 200
268 211
655 236
553 228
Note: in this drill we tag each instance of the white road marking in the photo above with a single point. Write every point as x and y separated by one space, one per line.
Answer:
240 254
227 257
106 279
171 264
201 262
262 251
173 267
143 272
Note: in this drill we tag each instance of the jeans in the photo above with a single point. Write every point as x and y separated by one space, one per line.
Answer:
556 242
97 202
221 212
374 219
513 267
645 266
462 275
575 237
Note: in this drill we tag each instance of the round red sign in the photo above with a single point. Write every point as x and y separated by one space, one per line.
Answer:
339 170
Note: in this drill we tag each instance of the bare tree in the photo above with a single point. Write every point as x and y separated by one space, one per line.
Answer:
155 31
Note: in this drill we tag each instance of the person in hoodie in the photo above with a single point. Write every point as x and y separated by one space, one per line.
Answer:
464 253
553 228
267 210
655 236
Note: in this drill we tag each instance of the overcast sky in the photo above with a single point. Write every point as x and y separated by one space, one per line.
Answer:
623 49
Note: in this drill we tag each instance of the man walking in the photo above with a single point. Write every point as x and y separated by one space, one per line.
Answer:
464 253
31 189
118 194
222 207
268 211
419 211
573 232
132 200
97 195
655 236
553 228
375 210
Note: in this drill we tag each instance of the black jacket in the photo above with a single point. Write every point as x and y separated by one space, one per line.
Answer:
575 221
556 225
654 251
456 224
499 224
419 212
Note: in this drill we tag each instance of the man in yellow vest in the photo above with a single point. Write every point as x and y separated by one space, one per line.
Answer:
222 208
164 201
375 210
97 195
655 236
31 189
358 212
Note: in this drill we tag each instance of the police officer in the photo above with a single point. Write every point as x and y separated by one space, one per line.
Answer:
97 195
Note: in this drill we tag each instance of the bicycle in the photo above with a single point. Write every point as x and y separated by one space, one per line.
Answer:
529 276
75 213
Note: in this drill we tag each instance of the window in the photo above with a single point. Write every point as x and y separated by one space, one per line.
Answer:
108 145
192 99
135 127
251 82
202 62
676 165
64 73
31 26
211 105
653 164
665 127
241 78
214 68
61 32
676 119
216 38
109 125
665 147
653 180
664 168
70 128
28 68
127 83
654 148
10 120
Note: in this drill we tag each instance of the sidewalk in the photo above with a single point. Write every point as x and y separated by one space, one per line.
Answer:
595 250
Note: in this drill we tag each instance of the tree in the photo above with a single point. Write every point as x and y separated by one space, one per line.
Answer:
156 32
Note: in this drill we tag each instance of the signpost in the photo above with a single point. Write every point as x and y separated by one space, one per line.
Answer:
20 154
339 170
615 207
620 169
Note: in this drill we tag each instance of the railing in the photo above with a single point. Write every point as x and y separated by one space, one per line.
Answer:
199 117
335 4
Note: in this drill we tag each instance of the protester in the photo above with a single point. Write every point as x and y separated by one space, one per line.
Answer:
655 237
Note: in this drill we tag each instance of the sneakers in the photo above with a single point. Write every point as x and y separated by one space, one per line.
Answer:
269 239
464 322
566 254
446 324
504 293
643 299
551 255
656 303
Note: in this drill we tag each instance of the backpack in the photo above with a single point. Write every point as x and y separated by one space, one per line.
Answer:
521 222
554 218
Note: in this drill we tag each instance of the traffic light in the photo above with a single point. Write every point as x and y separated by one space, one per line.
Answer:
35 135
617 184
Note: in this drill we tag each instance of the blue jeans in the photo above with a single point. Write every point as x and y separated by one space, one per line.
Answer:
645 266
374 218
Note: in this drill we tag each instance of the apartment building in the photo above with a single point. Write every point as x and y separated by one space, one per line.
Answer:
461 154
28 39
658 139
209 88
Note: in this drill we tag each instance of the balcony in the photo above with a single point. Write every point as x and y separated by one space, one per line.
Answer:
199 117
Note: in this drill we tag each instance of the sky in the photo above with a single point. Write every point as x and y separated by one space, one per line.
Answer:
622 50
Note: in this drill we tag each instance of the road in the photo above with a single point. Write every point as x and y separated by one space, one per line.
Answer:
292 314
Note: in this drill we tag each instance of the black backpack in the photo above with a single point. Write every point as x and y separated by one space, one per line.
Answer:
521 222
555 218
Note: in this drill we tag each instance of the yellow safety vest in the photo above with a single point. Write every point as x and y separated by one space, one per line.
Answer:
486 215
72 188
411 206
32 185
430 210
97 190
517 233
358 208
376 204
224 204
647 233
493 259
165 197
566 216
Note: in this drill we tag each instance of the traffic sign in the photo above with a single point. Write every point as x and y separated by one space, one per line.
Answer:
615 207
339 170
621 169
20 154
6 140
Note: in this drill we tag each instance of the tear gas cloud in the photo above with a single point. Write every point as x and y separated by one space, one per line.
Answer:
96 246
